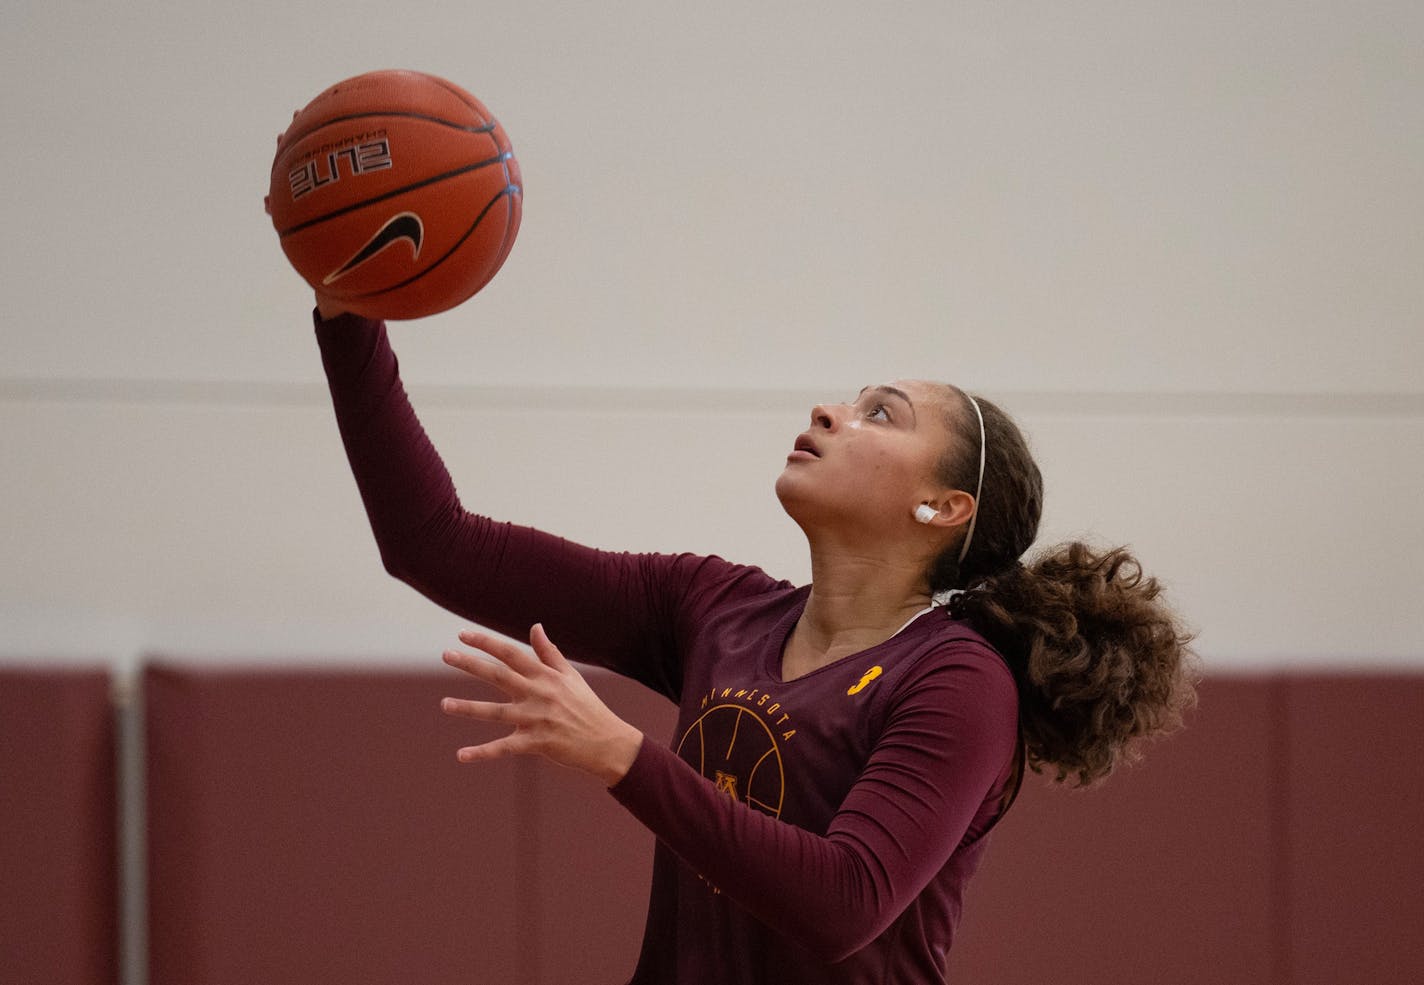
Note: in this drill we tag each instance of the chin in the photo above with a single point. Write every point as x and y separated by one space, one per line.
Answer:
796 500
787 494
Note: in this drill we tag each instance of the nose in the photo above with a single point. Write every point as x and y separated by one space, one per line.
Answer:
823 416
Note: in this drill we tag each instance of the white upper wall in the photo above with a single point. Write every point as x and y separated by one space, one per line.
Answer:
1184 241
1100 196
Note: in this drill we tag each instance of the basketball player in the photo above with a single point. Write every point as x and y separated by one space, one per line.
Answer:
843 748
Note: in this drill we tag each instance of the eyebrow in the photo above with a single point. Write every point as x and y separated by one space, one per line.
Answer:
893 391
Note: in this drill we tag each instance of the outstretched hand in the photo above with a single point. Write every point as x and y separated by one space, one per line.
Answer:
553 711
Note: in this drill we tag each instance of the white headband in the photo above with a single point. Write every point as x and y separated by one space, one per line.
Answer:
979 486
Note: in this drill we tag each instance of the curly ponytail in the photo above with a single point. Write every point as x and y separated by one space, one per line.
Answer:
1099 657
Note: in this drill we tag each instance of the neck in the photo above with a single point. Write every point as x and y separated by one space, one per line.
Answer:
857 600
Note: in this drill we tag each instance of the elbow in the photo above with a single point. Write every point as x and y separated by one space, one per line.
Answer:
833 941
396 565
417 565
830 952
416 551
405 564
405 554
849 923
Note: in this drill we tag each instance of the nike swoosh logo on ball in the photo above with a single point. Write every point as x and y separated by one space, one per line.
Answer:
402 225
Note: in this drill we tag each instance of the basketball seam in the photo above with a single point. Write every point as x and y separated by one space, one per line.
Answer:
399 114
507 240
463 96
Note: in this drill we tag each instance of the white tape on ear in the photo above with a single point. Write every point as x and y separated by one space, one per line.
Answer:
924 513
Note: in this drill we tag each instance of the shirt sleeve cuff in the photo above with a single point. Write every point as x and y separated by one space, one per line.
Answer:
641 780
345 320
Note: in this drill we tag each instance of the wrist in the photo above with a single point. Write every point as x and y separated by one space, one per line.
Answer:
328 308
621 752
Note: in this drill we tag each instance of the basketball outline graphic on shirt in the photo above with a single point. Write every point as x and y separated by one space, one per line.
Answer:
732 746
401 226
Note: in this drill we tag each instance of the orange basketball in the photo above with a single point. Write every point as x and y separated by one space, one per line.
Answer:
396 194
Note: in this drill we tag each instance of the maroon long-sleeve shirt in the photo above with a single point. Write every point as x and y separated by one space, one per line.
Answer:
819 830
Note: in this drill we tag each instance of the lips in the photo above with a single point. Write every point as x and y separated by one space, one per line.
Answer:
805 445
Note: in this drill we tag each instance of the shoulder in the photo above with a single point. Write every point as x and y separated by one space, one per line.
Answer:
948 665
948 710
708 581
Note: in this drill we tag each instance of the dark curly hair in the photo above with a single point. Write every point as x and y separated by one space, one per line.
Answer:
1100 659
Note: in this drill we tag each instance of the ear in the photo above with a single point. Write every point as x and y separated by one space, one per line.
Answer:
953 509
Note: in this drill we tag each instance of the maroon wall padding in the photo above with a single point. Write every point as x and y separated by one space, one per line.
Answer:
310 826
58 827
594 862
1164 875
1356 829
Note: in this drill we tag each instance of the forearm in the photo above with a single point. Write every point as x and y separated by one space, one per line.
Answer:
824 892
494 573
610 609
404 485
934 775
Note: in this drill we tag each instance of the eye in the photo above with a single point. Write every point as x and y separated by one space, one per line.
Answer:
877 412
